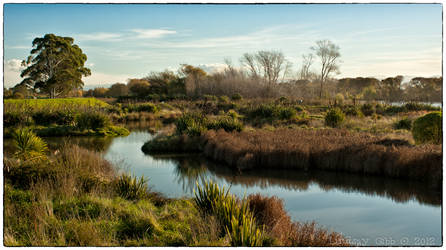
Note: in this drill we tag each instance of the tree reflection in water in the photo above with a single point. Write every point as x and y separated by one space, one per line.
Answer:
192 169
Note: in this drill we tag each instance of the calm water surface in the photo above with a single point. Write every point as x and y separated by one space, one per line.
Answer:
368 210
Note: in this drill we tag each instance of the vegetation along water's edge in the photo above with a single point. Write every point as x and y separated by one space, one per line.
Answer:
73 197
327 149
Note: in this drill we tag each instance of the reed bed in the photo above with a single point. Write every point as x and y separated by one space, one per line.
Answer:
327 149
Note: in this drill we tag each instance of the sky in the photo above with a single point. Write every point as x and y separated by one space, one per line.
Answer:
125 41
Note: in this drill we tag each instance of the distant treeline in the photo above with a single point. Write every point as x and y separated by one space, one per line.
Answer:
193 82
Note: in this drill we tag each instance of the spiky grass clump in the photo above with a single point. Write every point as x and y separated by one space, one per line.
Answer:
130 187
28 146
234 216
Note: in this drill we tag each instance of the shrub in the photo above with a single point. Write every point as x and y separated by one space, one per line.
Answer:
413 106
367 109
131 188
395 109
147 107
380 109
404 123
223 99
282 99
58 117
287 113
210 97
272 111
27 145
236 97
12 119
353 111
192 124
94 120
227 123
428 128
234 217
334 117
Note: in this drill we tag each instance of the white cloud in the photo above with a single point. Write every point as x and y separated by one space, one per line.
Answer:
152 33
104 79
12 72
99 36
212 67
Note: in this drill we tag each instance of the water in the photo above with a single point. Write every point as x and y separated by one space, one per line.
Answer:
368 210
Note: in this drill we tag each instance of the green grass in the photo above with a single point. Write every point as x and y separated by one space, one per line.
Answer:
59 103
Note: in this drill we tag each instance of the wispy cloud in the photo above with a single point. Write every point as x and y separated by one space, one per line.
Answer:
99 36
152 33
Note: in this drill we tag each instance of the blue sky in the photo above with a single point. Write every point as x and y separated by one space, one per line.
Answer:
127 40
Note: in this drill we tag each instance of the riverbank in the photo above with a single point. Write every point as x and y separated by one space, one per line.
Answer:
325 149
73 197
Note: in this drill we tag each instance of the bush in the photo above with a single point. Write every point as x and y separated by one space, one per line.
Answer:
59 117
12 119
147 107
234 217
413 106
236 97
227 123
428 128
223 99
404 123
353 111
192 124
334 117
272 111
94 120
287 113
367 109
131 188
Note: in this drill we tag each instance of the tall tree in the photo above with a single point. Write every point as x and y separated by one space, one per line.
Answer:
329 55
268 65
307 61
55 66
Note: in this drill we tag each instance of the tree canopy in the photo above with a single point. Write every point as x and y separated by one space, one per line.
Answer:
55 66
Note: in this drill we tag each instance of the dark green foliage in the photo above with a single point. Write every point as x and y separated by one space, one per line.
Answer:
272 111
192 124
236 97
391 110
93 120
12 119
367 109
413 106
404 123
334 117
171 144
130 187
55 66
380 109
428 128
298 108
46 118
287 113
353 111
227 123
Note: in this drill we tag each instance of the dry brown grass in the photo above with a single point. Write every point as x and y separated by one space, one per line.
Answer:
328 149
269 211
